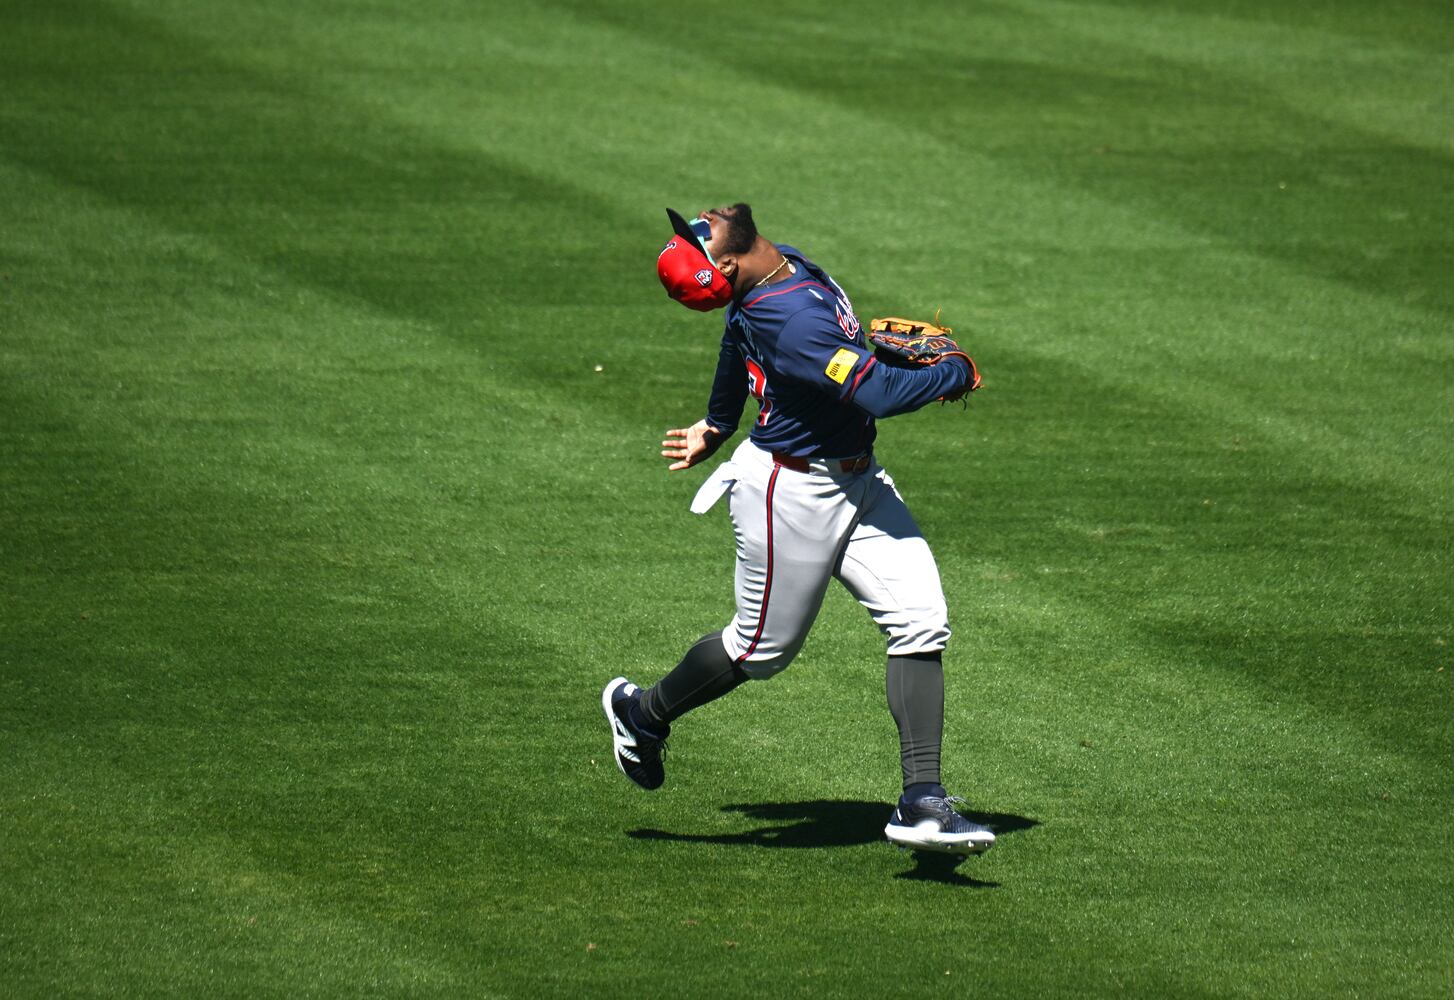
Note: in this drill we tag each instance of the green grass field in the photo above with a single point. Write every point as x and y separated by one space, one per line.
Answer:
332 371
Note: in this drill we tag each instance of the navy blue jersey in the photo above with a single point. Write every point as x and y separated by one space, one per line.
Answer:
799 349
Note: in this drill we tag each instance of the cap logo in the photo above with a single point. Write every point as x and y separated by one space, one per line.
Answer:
687 271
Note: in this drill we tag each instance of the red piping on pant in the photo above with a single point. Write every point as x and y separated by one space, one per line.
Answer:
767 585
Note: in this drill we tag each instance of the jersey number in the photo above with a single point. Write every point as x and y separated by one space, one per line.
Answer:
757 385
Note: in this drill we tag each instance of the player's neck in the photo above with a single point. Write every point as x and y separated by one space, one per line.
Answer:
765 265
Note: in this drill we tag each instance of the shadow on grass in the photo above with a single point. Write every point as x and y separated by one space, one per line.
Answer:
830 823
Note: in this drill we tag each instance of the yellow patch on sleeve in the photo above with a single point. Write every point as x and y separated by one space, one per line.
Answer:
841 365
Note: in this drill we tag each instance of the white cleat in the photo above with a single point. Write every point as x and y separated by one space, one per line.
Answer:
932 823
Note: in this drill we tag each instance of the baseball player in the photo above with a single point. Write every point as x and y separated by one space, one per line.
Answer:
808 503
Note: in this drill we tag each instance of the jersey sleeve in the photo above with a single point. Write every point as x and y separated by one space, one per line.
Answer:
729 387
815 350
887 391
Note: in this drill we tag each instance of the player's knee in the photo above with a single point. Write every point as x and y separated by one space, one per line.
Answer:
760 656
766 659
927 631
766 666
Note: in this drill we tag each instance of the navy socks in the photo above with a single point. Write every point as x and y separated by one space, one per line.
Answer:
705 674
915 686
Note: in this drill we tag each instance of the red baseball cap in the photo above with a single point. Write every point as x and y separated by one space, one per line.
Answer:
687 272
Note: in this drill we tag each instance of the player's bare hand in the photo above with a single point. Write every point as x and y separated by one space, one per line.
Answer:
687 446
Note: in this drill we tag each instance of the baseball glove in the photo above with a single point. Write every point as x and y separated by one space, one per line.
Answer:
909 343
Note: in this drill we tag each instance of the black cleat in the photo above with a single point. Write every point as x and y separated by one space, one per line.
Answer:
638 752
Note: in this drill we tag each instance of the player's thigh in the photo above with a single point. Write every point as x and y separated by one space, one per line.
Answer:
788 531
889 568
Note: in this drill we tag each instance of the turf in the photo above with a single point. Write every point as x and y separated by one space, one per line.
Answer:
332 369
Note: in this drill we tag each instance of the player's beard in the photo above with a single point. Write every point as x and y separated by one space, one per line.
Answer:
741 229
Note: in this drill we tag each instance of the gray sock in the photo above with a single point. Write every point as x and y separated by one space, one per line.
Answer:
915 685
705 673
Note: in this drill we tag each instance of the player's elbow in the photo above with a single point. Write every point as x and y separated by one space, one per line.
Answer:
877 398
876 408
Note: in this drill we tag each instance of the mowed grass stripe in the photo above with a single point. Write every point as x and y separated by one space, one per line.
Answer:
1329 63
120 884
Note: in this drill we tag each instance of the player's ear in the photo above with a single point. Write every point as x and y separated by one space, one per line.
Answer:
728 266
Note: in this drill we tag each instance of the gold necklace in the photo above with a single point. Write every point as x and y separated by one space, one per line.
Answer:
774 273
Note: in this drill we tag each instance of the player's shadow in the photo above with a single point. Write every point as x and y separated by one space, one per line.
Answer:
835 823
